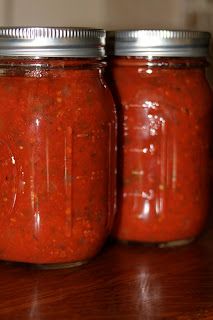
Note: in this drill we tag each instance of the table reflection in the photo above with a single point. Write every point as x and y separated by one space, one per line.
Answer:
126 280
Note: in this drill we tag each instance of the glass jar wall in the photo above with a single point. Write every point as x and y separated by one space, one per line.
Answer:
165 117
57 136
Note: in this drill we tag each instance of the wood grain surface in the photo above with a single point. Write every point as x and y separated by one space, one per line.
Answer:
123 282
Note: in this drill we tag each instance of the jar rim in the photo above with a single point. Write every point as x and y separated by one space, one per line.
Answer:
52 42
158 43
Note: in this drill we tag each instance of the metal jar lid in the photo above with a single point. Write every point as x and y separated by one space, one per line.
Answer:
158 43
52 42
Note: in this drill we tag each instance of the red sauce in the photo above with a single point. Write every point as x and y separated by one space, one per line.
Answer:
57 160
164 114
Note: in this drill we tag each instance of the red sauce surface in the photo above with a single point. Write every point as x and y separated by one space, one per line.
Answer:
165 115
57 160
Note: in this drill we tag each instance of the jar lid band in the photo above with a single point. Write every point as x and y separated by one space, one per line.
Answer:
159 43
52 42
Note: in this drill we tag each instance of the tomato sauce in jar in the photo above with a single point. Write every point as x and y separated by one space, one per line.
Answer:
164 123
58 141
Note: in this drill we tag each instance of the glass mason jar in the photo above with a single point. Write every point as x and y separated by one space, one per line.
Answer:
164 122
57 142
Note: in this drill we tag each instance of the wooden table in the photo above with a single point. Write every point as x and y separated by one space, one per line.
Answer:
123 282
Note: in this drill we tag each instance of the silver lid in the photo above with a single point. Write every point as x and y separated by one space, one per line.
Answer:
52 42
158 43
